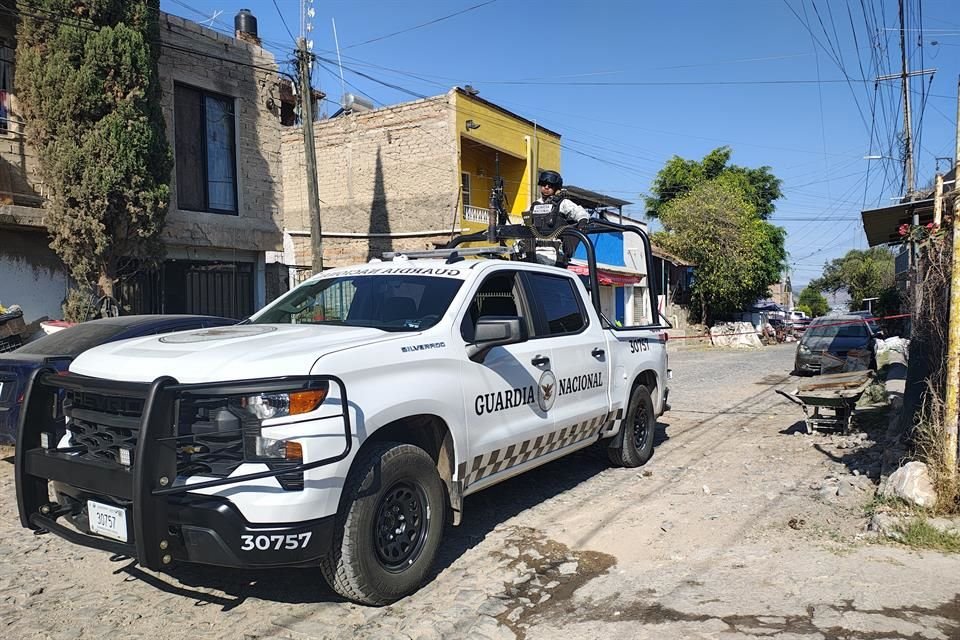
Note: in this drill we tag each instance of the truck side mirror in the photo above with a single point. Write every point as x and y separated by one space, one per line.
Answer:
495 331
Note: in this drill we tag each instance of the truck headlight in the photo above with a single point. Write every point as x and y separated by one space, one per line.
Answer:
277 405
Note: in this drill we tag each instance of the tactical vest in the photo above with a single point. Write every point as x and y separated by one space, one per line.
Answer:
545 219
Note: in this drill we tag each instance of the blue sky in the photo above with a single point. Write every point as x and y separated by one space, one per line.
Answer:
630 84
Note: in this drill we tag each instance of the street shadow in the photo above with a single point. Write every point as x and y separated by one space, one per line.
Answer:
289 586
800 426
483 512
660 435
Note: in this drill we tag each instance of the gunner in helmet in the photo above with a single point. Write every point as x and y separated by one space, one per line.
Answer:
551 193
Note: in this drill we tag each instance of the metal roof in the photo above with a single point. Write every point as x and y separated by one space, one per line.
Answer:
592 199
659 252
881 225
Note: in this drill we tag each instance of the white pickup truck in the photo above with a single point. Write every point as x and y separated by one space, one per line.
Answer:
339 427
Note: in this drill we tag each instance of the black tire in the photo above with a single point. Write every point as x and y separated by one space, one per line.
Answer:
391 487
633 446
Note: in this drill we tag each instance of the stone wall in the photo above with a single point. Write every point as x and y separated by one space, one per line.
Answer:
387 179
20 182
202 58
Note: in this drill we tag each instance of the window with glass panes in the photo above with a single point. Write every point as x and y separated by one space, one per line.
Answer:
205 129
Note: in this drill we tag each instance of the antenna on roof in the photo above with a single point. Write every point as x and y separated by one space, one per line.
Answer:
213 18
343 88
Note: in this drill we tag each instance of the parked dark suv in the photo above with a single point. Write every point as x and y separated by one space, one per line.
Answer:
833 335
57 350
871 320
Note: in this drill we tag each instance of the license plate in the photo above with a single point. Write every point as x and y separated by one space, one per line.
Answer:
107 520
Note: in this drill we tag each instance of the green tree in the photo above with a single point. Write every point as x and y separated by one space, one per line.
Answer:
862 274
88 87
812 302
679 177
737 254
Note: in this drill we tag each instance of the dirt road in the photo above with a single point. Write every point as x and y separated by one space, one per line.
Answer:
739 527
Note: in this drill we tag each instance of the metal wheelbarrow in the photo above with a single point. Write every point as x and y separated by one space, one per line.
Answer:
837 393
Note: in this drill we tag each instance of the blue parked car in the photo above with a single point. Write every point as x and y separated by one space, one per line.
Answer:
57 350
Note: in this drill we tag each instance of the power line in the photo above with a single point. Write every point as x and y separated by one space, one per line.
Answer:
664 83
816 58
78 23
420 26
619 165
284 21
225 28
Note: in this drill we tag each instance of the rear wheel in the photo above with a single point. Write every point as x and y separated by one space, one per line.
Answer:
633 446
390 525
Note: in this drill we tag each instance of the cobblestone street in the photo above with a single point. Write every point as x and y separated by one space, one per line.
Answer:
740 526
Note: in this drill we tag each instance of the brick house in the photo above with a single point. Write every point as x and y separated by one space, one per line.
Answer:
221 103
408 176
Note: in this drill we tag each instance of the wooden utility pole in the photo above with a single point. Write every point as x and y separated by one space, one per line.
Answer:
304 64
907 126
952 390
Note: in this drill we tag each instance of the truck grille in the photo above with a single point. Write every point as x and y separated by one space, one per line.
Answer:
210 433
102 425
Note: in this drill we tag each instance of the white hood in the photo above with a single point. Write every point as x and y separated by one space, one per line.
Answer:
224 353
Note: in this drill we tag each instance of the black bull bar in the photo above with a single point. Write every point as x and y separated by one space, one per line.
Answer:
150 479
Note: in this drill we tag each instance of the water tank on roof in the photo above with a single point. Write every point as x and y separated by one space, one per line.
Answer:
356 103
245 22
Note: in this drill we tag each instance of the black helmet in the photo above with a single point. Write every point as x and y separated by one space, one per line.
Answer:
551 179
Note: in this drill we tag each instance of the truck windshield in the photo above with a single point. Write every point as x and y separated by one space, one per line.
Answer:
388 302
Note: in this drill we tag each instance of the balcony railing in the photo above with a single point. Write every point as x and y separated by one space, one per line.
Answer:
476 214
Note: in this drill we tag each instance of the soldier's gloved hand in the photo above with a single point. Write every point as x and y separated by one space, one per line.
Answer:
582 224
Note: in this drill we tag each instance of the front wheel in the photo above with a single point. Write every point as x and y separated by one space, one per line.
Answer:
633 446
390 525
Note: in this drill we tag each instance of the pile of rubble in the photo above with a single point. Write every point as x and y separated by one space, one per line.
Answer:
12 328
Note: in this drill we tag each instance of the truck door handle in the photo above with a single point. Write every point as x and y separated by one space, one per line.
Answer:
539 361
597 353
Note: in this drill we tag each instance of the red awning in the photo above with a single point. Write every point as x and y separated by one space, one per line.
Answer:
608 277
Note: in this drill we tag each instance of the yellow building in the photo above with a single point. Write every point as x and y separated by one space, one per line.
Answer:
410 176
492 138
